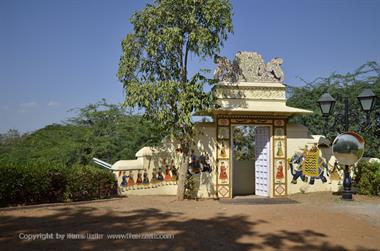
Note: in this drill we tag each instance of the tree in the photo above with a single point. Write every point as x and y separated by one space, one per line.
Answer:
339 86
154 64
243 142
111 133
101 130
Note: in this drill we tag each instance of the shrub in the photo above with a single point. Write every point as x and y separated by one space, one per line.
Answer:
86 183
44 183
367 177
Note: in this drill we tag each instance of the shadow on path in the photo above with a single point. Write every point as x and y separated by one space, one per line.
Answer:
218 233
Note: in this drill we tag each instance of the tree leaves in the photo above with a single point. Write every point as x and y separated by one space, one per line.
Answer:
102 130
153 66
340 86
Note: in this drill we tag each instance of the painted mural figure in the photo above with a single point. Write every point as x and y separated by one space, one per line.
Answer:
321 167
295 165
311 158
139 179
154 176
223 153
194 166
280 152
280 171
174 171
131 182
204 160
168 177
145 178
223 172
124 181
160 177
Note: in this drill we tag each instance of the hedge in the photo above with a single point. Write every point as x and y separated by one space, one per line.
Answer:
367 177
42 183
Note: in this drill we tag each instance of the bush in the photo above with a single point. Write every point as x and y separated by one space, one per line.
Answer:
43 183
86 183
367 177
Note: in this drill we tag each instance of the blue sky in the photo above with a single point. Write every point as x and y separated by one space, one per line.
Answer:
58 55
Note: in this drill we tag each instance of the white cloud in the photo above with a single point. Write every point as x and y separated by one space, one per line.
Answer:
54 104
28 105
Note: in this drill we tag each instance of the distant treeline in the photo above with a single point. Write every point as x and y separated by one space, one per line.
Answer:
101 130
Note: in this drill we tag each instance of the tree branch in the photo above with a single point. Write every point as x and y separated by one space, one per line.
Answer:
184 68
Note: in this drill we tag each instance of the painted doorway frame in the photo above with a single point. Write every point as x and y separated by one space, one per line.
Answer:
278 145
270 156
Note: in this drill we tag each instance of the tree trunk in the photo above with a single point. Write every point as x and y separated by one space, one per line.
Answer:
182 173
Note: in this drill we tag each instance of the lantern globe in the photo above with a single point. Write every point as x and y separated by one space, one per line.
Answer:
367 100
326 103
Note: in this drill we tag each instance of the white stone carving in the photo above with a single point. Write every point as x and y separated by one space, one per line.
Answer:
248 67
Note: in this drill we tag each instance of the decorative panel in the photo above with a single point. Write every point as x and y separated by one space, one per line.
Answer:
258 93
279 158
223 179
251 121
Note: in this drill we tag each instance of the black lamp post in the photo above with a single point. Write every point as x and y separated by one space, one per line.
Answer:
326 102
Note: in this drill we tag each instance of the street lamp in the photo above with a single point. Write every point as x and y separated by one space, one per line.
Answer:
349 146
326 103
367 100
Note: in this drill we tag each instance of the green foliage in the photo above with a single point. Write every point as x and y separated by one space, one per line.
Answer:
111 133
339 86
55 144
190 187
153 66
154 61
86 183
9 139
367 177
99 130
244 142
43 183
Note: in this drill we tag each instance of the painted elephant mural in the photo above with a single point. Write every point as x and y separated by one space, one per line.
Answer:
308 166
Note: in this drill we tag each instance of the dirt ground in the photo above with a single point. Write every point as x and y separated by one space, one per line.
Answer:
318 221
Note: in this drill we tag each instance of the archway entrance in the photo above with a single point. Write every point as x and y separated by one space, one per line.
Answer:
250 160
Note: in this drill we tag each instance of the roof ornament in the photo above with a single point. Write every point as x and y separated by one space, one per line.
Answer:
248 67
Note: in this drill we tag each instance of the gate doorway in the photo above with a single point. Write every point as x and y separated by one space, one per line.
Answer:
250 160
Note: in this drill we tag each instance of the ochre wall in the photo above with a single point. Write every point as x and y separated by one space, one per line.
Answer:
298 138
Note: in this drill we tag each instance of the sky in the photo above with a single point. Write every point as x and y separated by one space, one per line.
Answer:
59 55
